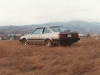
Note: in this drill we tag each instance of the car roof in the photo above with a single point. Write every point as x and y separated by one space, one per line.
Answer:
48 26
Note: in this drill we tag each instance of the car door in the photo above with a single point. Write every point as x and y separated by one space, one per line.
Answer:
35 37
46 33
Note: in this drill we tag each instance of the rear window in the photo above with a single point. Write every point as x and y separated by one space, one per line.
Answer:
58 28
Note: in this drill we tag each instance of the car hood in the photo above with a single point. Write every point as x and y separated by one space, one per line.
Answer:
26 34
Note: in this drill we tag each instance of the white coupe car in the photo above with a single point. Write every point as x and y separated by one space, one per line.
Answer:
50 36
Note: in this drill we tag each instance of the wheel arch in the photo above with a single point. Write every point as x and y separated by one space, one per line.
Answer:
24 39
48 39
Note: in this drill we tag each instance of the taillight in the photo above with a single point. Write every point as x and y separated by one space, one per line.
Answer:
75 35
61 35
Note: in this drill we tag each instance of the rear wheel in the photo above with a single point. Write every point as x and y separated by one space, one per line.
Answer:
48 43
25 42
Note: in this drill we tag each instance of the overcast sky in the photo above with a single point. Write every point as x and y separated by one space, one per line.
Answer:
24 12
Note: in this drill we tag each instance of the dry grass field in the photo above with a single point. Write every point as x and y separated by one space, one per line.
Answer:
82 58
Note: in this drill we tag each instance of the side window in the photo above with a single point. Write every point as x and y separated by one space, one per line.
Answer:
38 31
56 29
46 30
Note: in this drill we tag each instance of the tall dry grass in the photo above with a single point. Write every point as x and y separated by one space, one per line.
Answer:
82 58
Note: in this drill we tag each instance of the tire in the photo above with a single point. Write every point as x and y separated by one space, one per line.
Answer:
25 42
48 43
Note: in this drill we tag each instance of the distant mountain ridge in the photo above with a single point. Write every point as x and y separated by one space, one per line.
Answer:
80 26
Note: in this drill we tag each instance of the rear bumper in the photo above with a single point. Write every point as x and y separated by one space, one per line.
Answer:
66 40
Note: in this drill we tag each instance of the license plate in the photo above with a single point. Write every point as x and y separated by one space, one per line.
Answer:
69 35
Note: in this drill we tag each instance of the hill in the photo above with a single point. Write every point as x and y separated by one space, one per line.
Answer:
82 58
80 26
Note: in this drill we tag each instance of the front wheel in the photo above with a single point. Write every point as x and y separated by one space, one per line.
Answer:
48 43
25 42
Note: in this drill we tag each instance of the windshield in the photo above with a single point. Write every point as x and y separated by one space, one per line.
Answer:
58 28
